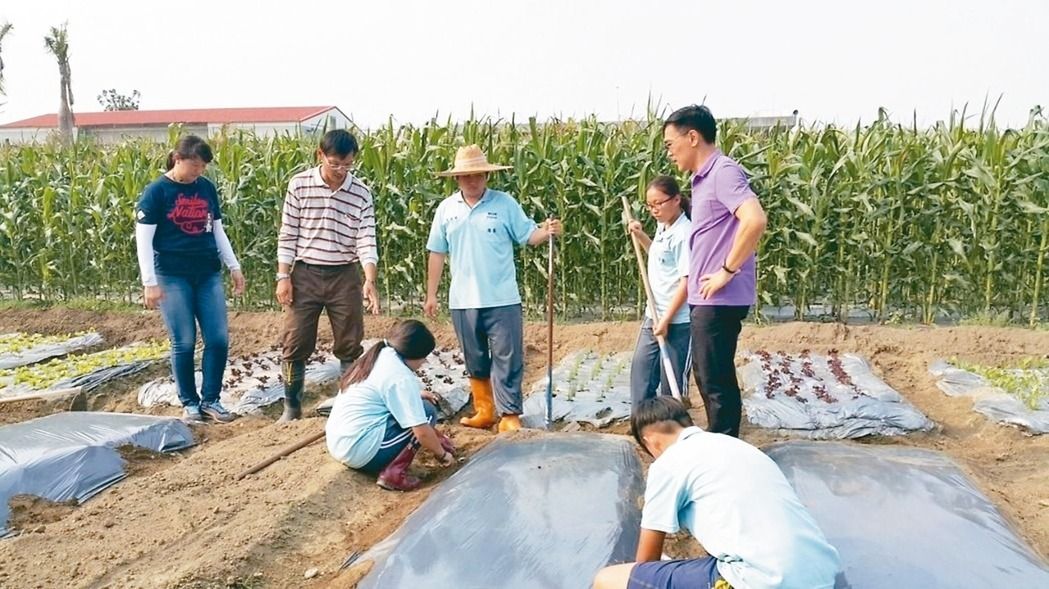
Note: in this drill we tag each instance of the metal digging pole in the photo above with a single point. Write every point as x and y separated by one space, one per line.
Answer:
550 329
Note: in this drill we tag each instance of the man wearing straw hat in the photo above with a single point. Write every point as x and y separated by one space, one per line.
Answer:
478 227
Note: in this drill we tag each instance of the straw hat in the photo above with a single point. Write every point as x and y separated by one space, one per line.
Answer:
469 159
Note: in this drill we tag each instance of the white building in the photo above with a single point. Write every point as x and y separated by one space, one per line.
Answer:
113 126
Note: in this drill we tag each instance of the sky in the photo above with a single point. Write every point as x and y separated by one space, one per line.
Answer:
833 61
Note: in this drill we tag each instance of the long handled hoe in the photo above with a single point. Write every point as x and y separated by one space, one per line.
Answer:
664 354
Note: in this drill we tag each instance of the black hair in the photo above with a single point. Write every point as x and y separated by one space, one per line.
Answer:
668 186
189 147
339 143
410 339
694 118
662 413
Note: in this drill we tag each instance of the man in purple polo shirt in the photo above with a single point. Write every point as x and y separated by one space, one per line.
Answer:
727 223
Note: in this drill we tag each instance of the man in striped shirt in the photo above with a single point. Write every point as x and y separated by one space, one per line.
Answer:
327 228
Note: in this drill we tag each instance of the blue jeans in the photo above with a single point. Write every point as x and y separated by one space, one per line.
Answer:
189 300
646 369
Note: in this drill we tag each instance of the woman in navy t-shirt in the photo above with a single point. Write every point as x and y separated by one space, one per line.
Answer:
181 249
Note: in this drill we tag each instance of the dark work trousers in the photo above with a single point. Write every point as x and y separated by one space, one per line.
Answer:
335 289
715 333
492 340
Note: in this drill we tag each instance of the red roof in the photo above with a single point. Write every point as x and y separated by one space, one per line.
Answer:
220 116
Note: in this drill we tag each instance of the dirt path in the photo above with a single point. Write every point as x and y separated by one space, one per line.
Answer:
185 521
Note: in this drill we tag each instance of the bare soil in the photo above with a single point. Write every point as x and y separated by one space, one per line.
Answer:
184 521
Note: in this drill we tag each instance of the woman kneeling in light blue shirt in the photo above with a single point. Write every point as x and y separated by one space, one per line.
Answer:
382 414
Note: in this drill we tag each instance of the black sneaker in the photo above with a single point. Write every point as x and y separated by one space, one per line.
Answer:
217 412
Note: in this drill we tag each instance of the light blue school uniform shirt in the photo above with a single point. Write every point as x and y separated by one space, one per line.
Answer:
480 242
736 502
357 423
667 264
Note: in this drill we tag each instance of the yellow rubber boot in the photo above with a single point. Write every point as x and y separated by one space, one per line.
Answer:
509 423
484 404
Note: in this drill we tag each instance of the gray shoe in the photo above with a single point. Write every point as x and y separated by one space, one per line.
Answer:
217 412
192 414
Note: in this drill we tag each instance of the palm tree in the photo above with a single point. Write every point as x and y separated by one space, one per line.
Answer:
4 30
58 44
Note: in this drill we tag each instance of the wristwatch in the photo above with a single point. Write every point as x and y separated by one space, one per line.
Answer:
733 272
283 276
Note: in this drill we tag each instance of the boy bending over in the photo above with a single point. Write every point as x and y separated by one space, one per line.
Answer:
733 499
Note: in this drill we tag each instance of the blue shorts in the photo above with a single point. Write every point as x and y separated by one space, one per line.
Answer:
698 573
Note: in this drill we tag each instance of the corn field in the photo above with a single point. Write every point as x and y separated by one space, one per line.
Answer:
927 224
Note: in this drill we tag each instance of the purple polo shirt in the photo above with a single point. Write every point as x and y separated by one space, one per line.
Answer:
717 191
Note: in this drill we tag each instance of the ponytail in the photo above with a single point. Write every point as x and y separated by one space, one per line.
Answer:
362 367
410 339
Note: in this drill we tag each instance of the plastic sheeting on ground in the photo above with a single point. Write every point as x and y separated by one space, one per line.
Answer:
834 396
91 370
72 456
45 350
97 378
254 381
992 401
906 517
545 511
588 388
249 383
445 374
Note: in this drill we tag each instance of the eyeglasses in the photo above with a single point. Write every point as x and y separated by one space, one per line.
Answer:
652 206
339 167
668 142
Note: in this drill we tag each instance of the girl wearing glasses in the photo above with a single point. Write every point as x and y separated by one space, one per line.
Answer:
668 261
